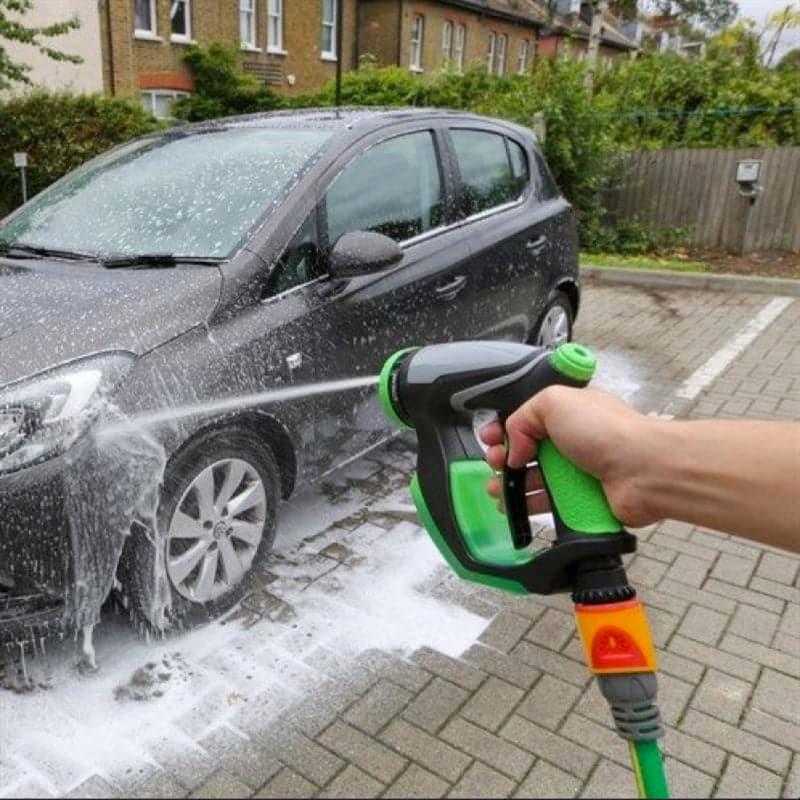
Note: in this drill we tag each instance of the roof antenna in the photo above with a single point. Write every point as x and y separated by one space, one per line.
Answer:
339 40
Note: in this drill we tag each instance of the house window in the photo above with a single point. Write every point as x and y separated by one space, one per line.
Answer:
461 40
417 35
145 17
502 47
275 26
180 13
247 23
159 102
522 57
329 11
490 47
447 42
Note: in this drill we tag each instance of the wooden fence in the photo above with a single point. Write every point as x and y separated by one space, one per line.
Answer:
697 188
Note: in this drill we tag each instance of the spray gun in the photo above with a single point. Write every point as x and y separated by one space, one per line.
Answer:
437 391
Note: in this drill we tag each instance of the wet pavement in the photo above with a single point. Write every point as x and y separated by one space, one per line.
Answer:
358 665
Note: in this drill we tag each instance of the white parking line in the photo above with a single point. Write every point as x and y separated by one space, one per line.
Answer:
715 365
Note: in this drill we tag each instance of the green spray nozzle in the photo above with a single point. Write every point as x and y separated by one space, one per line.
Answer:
574 361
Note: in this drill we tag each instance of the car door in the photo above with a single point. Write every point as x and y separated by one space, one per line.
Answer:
393 184
505 227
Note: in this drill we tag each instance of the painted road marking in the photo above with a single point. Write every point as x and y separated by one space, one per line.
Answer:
715 365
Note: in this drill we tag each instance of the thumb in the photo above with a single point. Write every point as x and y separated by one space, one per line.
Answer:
524 428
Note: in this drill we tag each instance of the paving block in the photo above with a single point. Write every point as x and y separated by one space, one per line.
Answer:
671 527
783 662
397 670
683 592
381 703
725 662
504 667
417 782
688 570
745 779
680 667
550 746
791 594
451 669
791 787
782 569
685 781
733 569
220 785
94 787
491 705
482 781
754 623
722 696
790 620
662 625
505 630
552 663
736 741
597 736
479 743
303 755
157 784
545 780
645 571
352 782
242 758
610 780
760 598
769 727
553 629
779 695
435 704
286 784
693 751
426 750
703 625
363 751
549 701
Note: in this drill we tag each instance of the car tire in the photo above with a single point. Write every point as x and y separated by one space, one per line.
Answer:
216 520
554 325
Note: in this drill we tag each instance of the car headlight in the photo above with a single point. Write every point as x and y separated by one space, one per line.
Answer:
41 417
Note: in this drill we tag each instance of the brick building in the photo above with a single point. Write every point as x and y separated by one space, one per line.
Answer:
426 35
288 44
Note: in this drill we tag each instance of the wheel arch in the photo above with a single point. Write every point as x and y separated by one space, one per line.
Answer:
569 287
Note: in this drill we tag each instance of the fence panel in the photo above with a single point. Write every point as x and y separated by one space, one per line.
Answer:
697 188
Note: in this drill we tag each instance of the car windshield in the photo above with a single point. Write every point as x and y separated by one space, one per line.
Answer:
192 193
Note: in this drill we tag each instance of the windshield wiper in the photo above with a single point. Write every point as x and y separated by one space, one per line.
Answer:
22 250
155 261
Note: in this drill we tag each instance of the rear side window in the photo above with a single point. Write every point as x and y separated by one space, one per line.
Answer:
489 175
546 188
394 188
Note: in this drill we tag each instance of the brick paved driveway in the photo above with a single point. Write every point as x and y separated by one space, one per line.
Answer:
515 713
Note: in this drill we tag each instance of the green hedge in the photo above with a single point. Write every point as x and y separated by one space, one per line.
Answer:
59 132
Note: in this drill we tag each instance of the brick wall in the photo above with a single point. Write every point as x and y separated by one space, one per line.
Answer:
132 63
379 33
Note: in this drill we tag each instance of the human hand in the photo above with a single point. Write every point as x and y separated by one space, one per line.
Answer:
597 431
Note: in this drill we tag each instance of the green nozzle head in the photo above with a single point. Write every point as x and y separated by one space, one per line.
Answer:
386 392
574 361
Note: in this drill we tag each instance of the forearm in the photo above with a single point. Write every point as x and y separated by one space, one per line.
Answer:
738 476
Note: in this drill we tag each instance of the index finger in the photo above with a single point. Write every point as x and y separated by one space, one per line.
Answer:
492 433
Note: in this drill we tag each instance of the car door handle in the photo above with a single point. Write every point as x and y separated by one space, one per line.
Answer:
536 245
447 291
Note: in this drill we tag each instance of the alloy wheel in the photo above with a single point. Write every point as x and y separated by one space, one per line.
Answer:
554 329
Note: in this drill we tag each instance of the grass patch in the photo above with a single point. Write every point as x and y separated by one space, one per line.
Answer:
673 263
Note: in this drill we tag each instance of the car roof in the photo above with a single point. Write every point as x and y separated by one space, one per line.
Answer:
347 118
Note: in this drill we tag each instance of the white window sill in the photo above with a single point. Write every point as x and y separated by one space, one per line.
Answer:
181 40
277 51
147 36
328 57
249 48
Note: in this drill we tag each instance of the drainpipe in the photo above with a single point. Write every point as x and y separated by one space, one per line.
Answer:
111 83
399 33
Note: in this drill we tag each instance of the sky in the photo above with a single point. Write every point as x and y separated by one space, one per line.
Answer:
760 9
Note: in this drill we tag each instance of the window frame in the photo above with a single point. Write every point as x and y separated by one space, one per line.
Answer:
442 152
147 33
252 11
447 41
174 94
460 46
522 56
502 54
491 48
329 24
272 15
181 37
415 56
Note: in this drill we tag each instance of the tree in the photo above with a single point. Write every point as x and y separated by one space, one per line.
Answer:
13 29
778 22
712 14
791 60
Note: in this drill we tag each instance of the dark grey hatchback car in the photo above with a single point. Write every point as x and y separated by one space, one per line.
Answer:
148 297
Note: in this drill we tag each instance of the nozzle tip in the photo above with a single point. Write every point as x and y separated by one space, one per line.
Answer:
574 361
386 389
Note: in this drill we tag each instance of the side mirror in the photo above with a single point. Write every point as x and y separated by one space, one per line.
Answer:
362 253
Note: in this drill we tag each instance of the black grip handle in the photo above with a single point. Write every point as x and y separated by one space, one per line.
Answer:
516 505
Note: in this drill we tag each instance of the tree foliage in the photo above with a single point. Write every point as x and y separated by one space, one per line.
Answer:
14 29
711 14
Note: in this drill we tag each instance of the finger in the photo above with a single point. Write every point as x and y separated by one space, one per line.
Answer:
524 428
492 433
496 457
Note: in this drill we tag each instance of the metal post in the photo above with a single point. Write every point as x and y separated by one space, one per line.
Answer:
539 125
21 163
339 9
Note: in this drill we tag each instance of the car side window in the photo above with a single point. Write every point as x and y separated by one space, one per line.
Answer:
519 167
394 188
299 262
546 187
487 179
